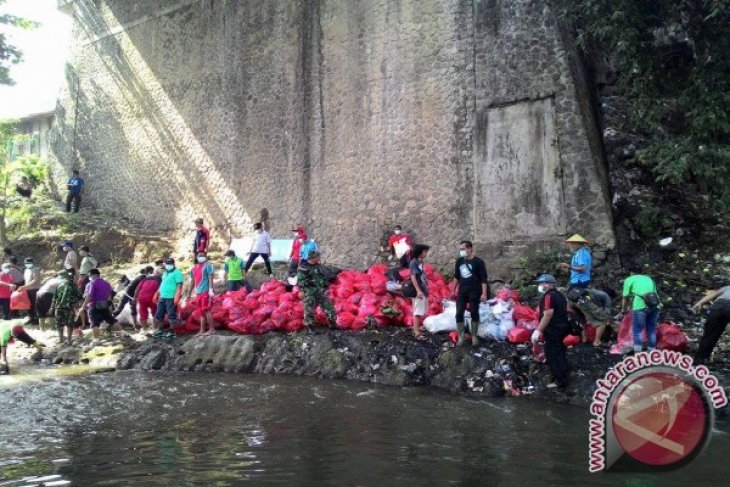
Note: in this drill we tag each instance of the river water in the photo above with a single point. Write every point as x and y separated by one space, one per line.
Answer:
133 428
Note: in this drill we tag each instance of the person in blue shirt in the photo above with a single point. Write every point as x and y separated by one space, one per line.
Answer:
308 245
75 188
580 263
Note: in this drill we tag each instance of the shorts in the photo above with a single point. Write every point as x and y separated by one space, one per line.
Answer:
99 316
43 305
202 301
420 306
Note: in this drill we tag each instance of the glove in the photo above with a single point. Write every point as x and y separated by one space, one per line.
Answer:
536 336
211 293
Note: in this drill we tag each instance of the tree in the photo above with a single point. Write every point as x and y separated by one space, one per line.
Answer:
10 54
672 59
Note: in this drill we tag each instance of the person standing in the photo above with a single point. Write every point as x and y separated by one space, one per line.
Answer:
261 248
88 262
234 272
201 277
7 254
75 187
420 283
580 263
400 239
98 301
202 237
169 295
296 248
313 283
716 322
308 246
32 282
7 286
64 302
15 271
553 324
145 294
71 262
641 289
470 273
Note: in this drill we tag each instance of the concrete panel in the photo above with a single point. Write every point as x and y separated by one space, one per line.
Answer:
518 190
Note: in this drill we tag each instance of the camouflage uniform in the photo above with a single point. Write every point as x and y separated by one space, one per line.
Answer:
65 299
313 283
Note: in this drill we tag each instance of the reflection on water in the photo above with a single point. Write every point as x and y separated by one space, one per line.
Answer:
131 428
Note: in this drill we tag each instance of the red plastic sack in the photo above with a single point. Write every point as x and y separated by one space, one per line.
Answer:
670 337
19 301
529 325
522 312
505 294
518 335
571 340
345 320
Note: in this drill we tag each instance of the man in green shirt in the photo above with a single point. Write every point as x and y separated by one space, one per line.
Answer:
8 333
169 296
645 306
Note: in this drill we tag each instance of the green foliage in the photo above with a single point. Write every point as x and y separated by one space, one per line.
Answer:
672 59
10 54
649 220
531 265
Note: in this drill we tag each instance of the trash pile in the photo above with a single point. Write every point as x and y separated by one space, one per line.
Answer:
501 318
360 299
669 336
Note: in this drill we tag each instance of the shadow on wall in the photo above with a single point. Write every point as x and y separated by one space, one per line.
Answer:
154 131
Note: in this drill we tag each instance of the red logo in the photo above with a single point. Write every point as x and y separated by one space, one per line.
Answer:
661 419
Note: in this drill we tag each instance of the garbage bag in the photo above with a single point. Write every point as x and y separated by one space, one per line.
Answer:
522 312
19 301
671 337
518 335
571 340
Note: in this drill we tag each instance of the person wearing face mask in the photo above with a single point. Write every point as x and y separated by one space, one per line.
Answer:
71 261
88 262
98 303
308 246
296 247
234 272
32 278
201 277
168 296
6 289
261 248
420 284
400 238
553 324
470 273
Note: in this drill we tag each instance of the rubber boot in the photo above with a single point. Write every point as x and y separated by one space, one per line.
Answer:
462 338
474 330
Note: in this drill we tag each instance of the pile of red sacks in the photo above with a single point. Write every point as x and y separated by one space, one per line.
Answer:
357 297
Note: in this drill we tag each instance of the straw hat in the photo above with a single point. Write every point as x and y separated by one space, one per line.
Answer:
577 239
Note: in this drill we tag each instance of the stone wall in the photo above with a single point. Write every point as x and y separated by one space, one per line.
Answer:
456 118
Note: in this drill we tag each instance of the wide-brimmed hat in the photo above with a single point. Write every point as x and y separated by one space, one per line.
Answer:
576 239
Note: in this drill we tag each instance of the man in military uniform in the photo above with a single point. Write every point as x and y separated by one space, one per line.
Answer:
66 299
313 283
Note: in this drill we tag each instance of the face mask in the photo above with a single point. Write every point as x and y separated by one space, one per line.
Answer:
542 289
259 230
295 235
169 267
462 253
83 254
202 259
397 232
28 266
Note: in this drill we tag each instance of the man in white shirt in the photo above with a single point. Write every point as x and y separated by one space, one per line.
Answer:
261 248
